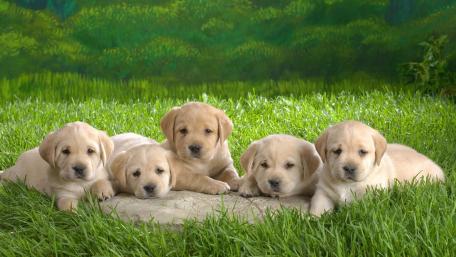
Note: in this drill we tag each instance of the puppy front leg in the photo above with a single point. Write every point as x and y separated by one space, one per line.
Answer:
67 204
102 189
230 176
320 203
200 183
248 186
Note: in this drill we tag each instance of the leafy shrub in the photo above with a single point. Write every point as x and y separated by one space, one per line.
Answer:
430 73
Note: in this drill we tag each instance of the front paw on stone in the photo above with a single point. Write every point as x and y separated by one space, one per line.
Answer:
234 185
219 187
248 191
103 194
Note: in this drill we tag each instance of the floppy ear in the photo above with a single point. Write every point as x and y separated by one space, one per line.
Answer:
167 124
320 145
380 146
225 126
106 146
48 149
309 158
118 170
248 157
173 169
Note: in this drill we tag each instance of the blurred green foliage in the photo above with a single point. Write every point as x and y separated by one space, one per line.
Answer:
193 41
431 72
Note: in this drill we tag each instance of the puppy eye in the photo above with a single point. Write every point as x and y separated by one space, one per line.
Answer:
362 152
338 151
159 171
183 131
90 151
289 165
66 151
137 173
264 165
208 131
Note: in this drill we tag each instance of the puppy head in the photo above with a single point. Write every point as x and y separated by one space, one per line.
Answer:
76 151
351 150
143 170
280 163
196 130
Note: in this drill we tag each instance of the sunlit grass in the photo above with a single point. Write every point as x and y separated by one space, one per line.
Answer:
406 221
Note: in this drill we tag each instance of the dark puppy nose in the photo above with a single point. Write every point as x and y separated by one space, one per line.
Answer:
195 149
274 183
349 170
79 170
149 188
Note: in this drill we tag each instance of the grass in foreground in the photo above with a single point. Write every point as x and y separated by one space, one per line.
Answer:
406 221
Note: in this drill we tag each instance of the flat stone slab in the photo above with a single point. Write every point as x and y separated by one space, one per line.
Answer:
178 206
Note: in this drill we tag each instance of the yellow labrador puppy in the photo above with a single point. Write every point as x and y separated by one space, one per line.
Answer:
197 133
139 166
357 157
142 167
69 162
279 165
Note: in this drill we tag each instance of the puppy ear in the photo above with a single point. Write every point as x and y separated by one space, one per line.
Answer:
48 149
320 145
118 170
248 157
225 126
167 124
106 146
173 169
380 146
309 158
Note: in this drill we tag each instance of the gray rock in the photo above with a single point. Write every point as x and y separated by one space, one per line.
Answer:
177 206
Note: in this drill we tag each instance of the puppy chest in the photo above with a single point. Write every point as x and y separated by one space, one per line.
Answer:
199 168
349 193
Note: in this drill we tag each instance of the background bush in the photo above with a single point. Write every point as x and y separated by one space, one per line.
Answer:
214 40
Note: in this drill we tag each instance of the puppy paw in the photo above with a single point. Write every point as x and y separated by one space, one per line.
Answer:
248 191
105 194
218 187
103 190
234 184
67 204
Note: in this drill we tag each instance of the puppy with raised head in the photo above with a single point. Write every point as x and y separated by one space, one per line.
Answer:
68 163
142 167
357 157
279 165
197 133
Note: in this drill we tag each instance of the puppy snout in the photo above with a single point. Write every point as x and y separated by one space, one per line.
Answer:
149 188
79 170
275 184
194 148
350 170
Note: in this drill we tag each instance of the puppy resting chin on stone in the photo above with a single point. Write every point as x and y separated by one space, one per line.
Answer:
279 165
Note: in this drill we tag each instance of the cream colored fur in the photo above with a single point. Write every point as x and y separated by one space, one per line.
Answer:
204 126
357 157
279 165
49 168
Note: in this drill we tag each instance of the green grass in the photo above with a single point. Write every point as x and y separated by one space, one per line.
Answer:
406 221
70 86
